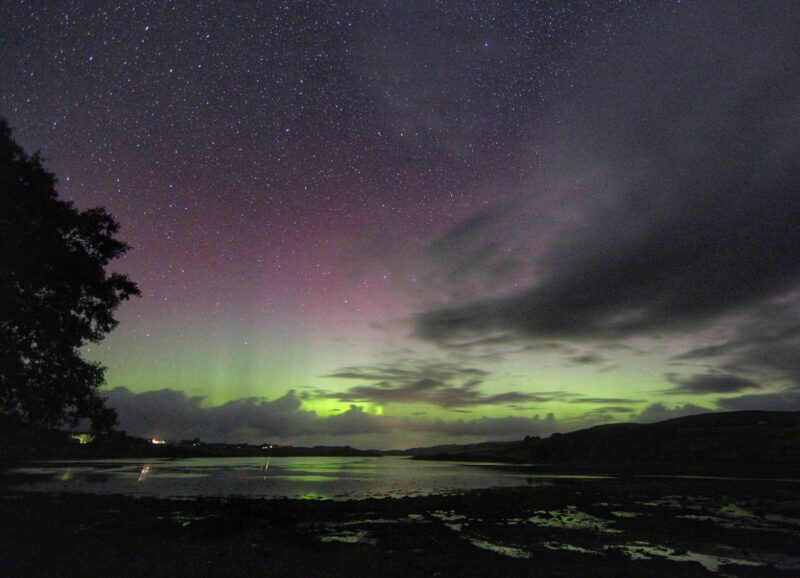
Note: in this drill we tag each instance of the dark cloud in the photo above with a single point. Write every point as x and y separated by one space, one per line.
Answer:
765 340
500 344
659 412
435 383
414 371
603 400
703 352
670 201
586 359
610 410
710 383
780 401
174 415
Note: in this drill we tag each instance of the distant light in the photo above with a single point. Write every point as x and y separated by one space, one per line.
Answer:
157 441
83 438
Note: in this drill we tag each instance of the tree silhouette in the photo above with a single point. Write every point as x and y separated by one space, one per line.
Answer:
55 295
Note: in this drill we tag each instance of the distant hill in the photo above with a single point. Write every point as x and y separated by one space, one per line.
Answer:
22 442
743 441
751 443
482 447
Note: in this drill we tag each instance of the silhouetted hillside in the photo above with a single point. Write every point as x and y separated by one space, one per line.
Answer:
447 448
748 440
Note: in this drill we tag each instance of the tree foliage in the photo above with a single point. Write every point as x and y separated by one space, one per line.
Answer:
55 295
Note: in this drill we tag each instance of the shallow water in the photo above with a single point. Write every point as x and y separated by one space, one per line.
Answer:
344 478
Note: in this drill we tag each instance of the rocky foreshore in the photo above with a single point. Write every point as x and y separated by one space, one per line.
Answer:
613 527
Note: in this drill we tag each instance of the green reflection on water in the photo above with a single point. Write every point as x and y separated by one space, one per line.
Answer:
306 478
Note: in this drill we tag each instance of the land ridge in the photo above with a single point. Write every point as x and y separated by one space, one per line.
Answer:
750 442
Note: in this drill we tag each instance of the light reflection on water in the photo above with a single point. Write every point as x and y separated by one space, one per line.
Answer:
296 477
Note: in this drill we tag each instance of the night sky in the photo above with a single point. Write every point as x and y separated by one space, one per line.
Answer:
393 224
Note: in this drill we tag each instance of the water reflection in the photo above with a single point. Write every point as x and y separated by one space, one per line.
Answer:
299 477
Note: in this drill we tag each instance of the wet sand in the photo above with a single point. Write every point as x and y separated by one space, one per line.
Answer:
618 527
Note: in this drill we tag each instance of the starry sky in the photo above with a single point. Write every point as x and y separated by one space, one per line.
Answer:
394 224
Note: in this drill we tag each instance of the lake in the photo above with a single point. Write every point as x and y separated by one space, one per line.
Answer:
338 478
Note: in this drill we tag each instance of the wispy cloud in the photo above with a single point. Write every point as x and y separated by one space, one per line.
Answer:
669 202
764 341
603 400
710 383
441 384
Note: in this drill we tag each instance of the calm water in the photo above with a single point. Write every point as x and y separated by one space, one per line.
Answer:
298 477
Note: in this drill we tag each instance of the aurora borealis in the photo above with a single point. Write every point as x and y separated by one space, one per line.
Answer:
395 224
